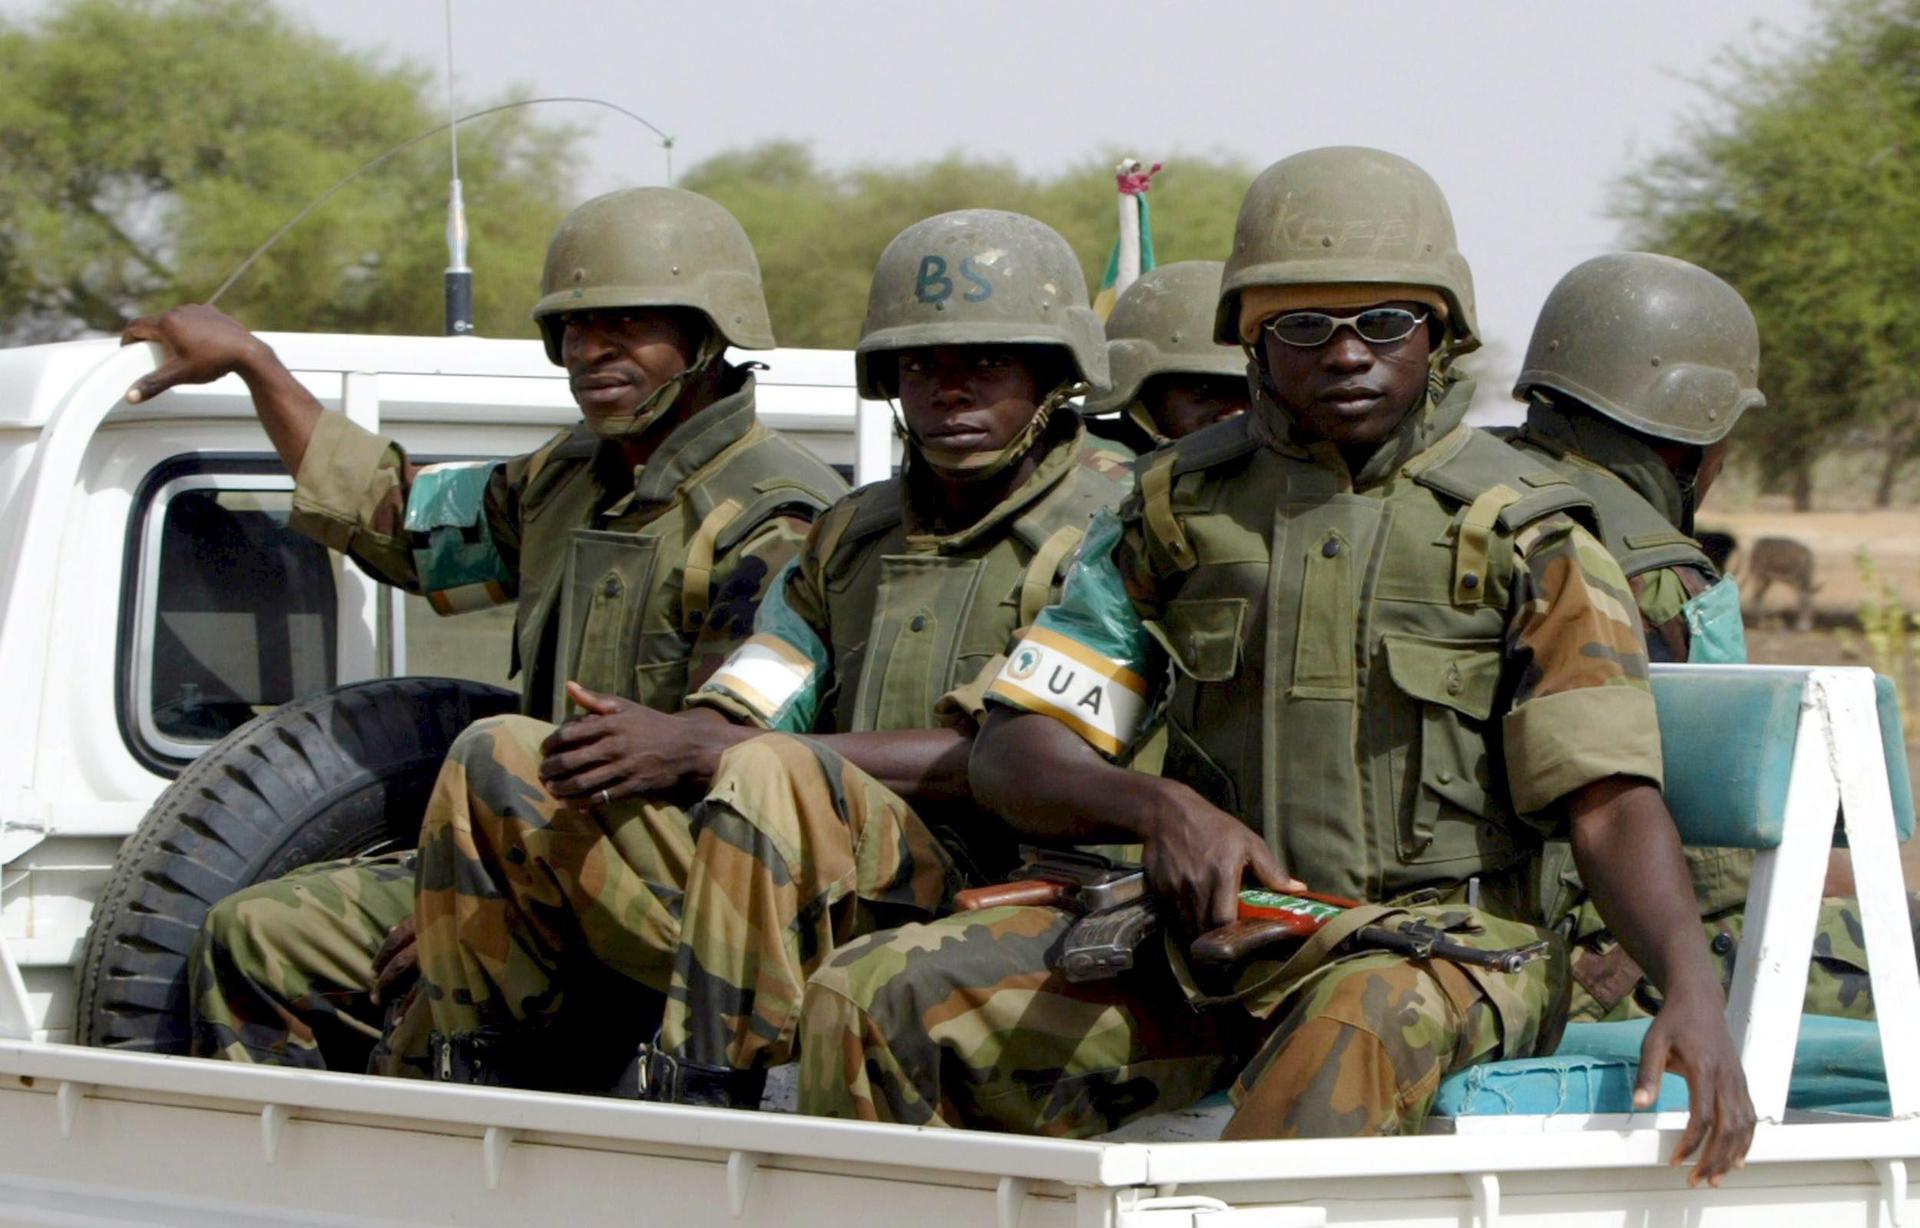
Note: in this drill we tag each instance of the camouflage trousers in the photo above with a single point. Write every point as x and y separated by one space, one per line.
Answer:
961 1022
796 853
537 915
1608 986
282 972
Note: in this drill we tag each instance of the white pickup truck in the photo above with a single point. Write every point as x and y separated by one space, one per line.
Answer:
151 601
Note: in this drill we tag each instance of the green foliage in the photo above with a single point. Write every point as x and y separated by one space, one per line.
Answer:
1801 186
146 146
819 232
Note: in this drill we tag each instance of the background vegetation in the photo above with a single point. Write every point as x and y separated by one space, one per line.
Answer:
146 146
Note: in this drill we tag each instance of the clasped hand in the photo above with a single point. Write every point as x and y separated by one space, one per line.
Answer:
625 749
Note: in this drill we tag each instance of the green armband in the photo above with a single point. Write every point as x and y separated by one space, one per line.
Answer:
454 555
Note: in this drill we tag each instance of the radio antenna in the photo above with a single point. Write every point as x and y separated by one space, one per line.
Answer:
459 278
240 270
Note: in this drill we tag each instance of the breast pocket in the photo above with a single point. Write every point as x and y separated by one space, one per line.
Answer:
1450 686
1203 636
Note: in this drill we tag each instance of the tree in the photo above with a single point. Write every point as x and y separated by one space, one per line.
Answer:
1801 186
147 146
818 232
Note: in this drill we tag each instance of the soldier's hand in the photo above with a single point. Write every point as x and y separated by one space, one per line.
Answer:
1199 856
201 345
396 963
1689 1036
624 749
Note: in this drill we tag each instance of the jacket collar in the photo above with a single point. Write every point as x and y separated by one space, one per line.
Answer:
1426 424
694 444
1063 442
1589 439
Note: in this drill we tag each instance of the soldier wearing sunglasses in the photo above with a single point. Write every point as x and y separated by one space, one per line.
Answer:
1389 662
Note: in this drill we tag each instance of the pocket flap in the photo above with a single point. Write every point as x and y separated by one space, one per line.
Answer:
1203 636
1460 674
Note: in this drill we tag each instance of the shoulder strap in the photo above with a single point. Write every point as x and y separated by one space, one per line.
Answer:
1500 490
576 445
867 512
1036 587
696 580
1204 449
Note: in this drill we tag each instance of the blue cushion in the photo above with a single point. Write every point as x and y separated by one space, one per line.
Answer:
1836 1069
1727 733
1892 741
1564 1083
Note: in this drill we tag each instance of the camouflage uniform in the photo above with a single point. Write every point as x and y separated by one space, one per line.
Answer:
880 625
1392 674
1384 787
281 966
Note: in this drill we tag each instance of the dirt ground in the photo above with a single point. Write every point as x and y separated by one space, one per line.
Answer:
1889 541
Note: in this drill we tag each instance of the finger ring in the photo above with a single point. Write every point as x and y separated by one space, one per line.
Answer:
602 798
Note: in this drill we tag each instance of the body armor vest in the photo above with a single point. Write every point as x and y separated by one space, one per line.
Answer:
616 605
914 616
1339 657
1639 535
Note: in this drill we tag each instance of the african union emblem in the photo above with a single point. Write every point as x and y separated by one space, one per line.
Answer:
1024 663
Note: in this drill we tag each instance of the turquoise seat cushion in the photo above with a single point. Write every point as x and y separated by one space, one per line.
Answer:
1836 1069
1894 742
1727 734
1564 1083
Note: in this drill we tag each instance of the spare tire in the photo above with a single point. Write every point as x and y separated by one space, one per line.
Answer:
339 774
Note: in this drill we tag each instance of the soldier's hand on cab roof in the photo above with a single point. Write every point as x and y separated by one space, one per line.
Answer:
201 344
1200 856
1689 1036
620 749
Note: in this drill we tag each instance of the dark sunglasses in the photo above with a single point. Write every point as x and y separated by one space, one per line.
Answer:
1376 326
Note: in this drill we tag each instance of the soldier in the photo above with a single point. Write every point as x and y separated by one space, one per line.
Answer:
879 642
636 546
1170 377
1639 367
1389 662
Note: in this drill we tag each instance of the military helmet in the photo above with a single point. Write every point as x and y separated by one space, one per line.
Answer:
1346 215
976 277
654 247
1163 325
1654 343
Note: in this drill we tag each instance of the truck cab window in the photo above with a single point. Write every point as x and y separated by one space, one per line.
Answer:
235 613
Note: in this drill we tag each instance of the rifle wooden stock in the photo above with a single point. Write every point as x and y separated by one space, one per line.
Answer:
1029 891
1238 939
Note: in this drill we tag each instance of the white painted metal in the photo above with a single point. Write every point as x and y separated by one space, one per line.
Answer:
1783 908
1866 809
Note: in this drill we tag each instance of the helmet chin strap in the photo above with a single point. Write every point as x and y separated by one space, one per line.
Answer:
636 420
963 465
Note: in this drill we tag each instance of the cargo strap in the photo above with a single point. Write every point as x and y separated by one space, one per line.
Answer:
1156 493
696 582
1471 552
1036 590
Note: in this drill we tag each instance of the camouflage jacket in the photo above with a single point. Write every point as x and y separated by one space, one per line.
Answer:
637 582
1394 675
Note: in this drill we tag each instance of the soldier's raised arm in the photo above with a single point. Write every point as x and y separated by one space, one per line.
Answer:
200 345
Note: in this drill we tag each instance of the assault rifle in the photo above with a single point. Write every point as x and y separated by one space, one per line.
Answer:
1117 914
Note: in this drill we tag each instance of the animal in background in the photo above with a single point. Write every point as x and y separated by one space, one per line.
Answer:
1782 560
